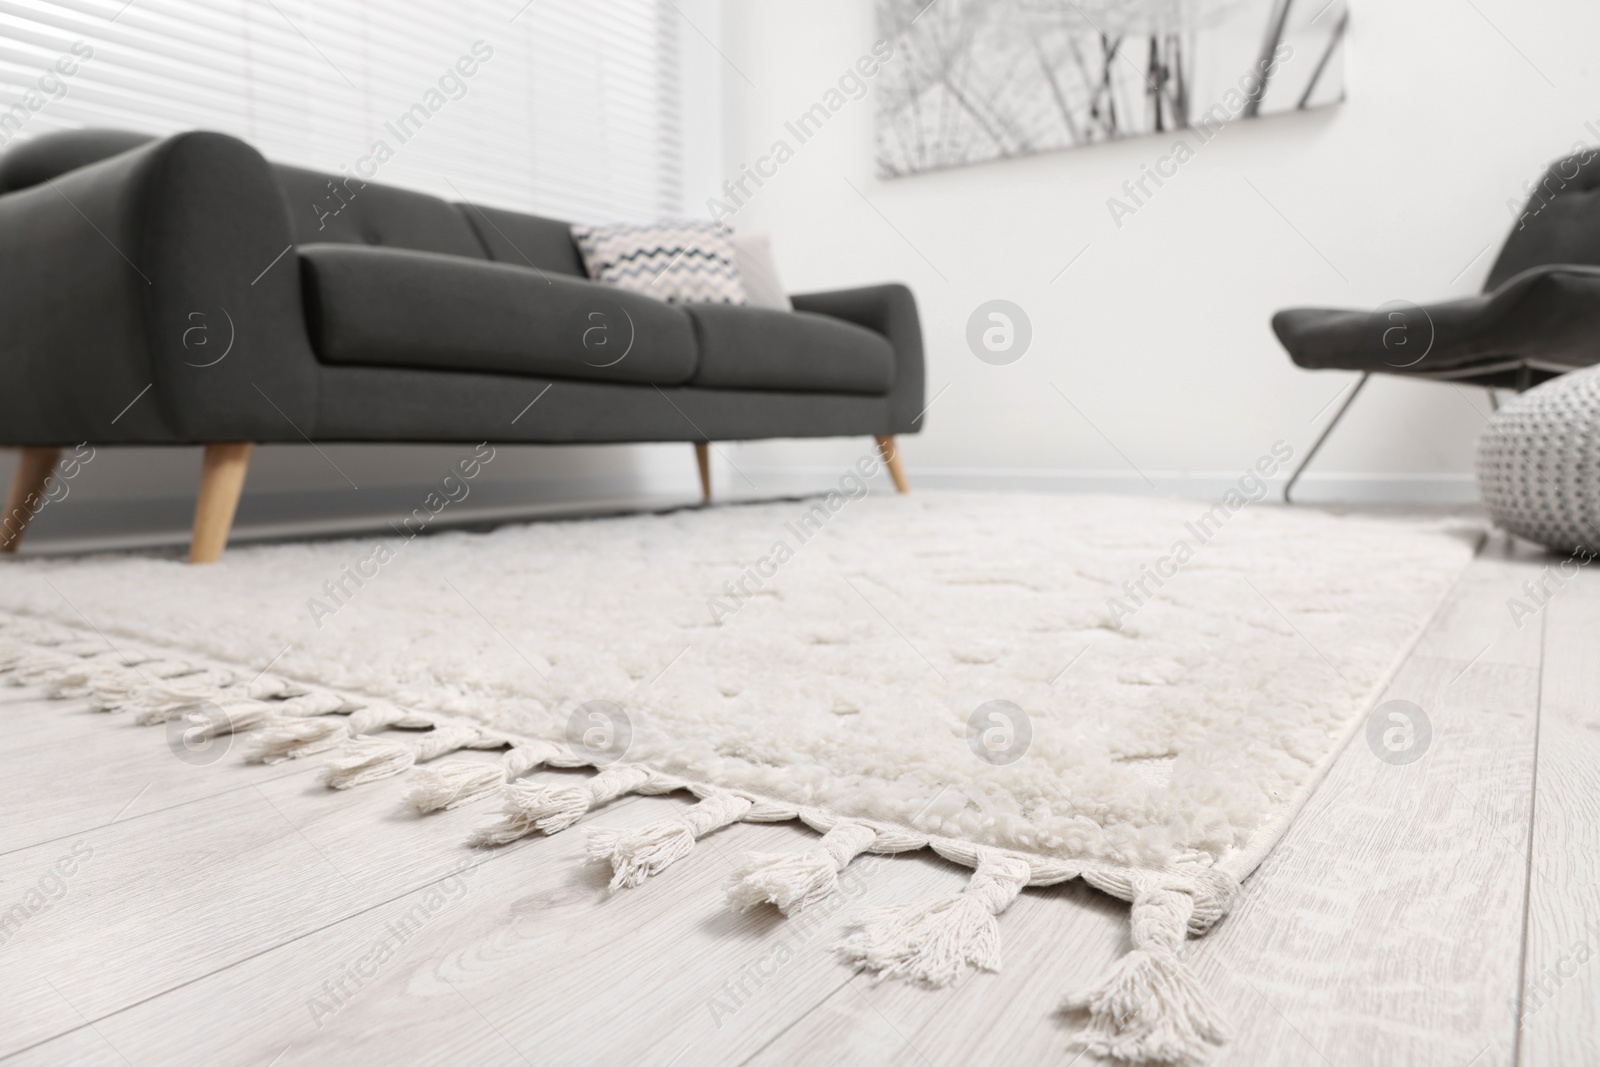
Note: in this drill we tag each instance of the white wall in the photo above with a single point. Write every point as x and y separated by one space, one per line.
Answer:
1159 333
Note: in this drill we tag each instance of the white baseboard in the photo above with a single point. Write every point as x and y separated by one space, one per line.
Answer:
1451 488
81 525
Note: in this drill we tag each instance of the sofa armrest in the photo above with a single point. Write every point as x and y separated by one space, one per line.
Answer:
892 311
138 273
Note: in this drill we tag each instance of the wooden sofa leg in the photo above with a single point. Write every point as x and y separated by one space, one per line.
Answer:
891 459
27 494
702 458
221 480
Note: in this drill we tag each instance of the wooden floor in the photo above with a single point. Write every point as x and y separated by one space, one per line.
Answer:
212 913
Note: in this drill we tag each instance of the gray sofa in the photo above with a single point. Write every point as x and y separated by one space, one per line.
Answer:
186 291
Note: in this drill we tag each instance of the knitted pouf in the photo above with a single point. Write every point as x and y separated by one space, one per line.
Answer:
1539 463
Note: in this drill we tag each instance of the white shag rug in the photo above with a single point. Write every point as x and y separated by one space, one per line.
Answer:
1138 692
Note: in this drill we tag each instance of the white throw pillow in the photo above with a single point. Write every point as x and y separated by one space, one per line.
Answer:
758 271
678 262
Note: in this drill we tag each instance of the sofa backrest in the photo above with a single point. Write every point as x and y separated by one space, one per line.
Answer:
340 209
526 240
343 209
337 208
1559 224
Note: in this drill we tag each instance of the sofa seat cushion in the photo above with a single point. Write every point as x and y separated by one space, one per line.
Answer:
746 347
398 308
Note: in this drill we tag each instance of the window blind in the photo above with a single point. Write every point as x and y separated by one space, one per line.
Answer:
571 108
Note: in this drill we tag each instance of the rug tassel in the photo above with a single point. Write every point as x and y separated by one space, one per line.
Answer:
459 782
243 711
154 704
43 667
285 739
934 942
795 881
1150 1007
18 649
307 703
22 659
275 687
531 806
452 784
51 664
212 719
76 683
368 759
290 737
638 854
121 686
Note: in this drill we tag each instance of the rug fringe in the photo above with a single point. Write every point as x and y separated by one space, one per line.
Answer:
452 784
280 739
78 681
549 809
154 703
217 718
639 854
368 759
935 942
277 687
795 881
284 737
457 782
1150 1007
115 685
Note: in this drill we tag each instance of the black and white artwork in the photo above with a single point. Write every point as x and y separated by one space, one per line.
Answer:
978 80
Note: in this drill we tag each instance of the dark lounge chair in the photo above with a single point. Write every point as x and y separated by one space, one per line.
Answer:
1538 315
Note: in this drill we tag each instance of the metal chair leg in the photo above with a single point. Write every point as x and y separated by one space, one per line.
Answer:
1295 477
1494 400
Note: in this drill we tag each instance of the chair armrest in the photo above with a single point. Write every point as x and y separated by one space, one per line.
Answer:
892 311
140 271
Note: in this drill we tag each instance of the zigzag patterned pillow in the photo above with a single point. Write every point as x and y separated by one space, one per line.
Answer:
679 262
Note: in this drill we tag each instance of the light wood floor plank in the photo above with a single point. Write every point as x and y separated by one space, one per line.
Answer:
81 1048
1391 913
68 769
159 901
534 961
1473 625
1560 1007
1054 940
